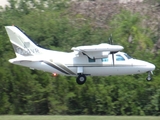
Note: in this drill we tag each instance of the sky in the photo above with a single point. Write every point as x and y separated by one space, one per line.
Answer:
3 3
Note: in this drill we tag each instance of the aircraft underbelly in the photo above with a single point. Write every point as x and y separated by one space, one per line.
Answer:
106 71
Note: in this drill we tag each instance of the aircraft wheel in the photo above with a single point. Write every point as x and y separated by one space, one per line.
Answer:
149 77
81 79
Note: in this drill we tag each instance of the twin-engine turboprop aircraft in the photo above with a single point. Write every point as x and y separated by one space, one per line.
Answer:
95 60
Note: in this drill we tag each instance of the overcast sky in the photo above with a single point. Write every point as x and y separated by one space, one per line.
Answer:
3 2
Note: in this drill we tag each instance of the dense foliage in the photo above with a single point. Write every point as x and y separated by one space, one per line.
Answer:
52 24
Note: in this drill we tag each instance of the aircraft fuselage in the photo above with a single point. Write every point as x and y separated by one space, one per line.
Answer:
71 64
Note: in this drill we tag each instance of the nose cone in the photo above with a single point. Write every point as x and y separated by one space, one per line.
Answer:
143 66
151 66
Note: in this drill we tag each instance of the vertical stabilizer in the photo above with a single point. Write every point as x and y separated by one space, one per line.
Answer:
21 43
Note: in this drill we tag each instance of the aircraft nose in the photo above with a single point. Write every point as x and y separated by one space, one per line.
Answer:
151 66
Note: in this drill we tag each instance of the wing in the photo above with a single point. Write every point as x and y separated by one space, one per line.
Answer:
98 51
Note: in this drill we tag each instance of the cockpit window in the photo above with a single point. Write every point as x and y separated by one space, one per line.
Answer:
119 58
129 57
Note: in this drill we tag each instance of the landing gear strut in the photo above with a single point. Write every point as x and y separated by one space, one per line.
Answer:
149 77
81 79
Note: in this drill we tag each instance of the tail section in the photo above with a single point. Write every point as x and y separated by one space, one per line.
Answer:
21 43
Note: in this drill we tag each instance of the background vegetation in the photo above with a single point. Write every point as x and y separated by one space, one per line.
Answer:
62 24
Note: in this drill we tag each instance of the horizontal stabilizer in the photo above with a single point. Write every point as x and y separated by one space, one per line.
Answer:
24 60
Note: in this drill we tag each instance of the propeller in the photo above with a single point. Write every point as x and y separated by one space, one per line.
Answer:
113 58
110 40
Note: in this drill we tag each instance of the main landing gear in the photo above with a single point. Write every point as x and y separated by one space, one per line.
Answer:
149 77
81 79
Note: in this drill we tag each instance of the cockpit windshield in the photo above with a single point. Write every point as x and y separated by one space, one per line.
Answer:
129 57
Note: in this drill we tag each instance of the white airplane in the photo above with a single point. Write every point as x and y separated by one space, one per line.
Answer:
95 60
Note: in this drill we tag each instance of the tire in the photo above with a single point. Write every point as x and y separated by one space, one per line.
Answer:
149 78
81 79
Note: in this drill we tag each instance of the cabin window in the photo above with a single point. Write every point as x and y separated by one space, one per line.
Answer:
91 60
104 59
119 58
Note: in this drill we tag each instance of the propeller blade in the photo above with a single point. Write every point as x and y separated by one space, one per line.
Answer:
111 39
113 58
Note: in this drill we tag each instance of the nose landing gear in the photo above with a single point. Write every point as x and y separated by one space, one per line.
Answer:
149 77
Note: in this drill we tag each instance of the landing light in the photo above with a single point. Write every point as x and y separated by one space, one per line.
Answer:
54 75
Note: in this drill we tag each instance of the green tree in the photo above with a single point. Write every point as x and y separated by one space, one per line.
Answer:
127 30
